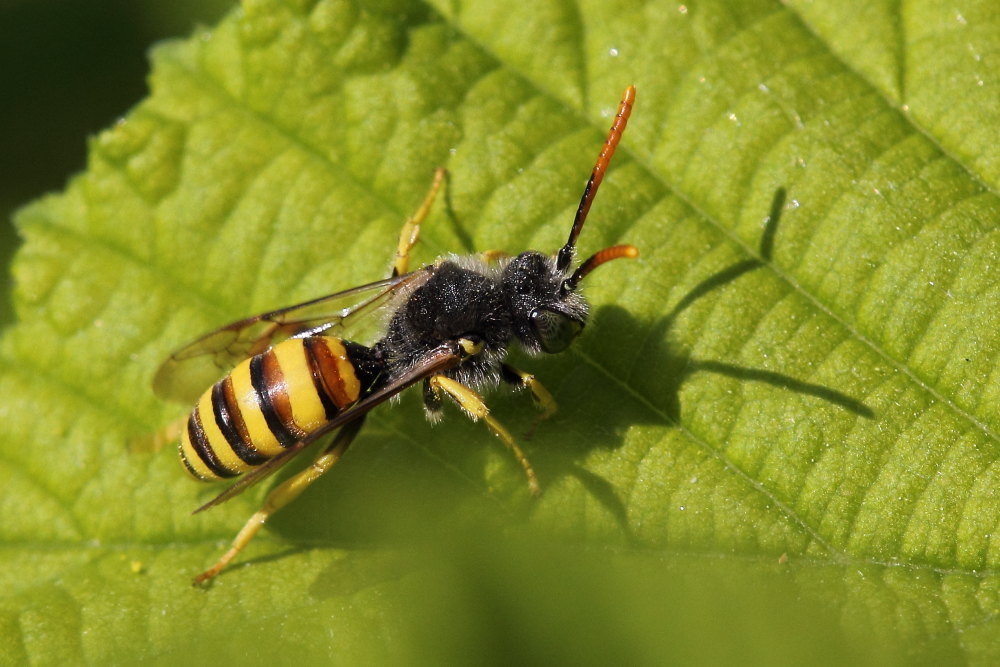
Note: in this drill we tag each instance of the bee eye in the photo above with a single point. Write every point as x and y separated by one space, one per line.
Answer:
555 331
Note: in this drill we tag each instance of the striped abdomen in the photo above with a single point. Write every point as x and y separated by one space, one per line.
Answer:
266 404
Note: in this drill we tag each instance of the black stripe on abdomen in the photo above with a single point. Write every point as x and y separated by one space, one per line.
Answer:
228 419
264 383
313 347
201 446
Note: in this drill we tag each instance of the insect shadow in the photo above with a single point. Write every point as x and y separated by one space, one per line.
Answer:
672 369
779 380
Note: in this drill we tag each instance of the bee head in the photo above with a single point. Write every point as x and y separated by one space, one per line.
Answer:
548 310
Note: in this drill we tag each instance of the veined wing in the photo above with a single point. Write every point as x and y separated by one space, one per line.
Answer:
196 366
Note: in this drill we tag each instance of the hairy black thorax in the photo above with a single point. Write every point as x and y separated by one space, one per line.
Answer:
465 297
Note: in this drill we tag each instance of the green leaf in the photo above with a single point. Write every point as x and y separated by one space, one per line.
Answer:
778 438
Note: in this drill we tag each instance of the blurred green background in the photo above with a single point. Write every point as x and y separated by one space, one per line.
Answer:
69 69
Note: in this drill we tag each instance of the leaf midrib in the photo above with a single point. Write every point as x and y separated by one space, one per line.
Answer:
306 543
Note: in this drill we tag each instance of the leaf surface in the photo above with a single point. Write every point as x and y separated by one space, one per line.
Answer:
811 394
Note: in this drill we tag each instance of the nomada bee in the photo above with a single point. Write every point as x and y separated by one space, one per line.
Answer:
296 378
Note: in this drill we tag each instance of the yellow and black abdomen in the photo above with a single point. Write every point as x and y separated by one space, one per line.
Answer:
266 404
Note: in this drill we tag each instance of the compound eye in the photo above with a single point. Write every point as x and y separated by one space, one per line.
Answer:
555 331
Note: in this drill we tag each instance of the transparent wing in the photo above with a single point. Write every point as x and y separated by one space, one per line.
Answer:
196 366
438 360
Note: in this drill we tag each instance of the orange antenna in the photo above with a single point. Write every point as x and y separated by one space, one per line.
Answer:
596 176
598 258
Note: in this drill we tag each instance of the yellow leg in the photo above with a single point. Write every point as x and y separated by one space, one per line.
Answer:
410 233
540 396
473 404
283 494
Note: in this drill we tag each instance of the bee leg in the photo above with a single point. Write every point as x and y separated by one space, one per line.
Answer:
410 233
540 396
285 493
472 403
